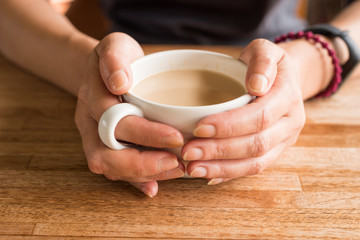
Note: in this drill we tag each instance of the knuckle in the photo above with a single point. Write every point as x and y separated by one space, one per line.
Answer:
229 124
224 172
256 167
137 167
264 57
109 55
221 151
259 42
219 170
261 145
95 165
144 139
137 170
265 118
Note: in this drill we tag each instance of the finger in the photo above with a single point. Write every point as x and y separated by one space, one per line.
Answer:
261 56
216 181
130 164
141 131
177 172
251 118
94 93
132 129
234 168
252 145
116 52
124 164
150 189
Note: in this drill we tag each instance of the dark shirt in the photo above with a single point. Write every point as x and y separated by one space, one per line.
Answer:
227 22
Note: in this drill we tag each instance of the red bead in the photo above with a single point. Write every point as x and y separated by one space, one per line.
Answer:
316 38
300 34
331 52
309 35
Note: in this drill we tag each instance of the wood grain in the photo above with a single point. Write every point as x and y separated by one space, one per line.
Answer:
48 193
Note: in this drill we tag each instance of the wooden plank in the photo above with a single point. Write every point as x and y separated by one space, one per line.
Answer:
16 228
12 118
315 183
329 135
57 162
342 108
270 181
68 103
40 148
40 136
147 211
12 237
236 231
42 180
52 119
85 193
10 123
14 162
334 200
322 160
30 100
167 221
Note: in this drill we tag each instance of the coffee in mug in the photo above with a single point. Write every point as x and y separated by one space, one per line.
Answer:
189 87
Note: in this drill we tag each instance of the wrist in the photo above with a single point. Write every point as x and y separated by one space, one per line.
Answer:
315 69
80 48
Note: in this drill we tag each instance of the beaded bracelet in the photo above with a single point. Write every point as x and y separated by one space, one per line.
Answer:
336 81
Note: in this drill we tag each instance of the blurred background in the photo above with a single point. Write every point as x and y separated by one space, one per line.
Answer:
86 15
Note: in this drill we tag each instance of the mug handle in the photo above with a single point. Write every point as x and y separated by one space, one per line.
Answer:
110 119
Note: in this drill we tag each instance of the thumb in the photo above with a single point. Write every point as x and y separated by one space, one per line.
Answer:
116 52
262 58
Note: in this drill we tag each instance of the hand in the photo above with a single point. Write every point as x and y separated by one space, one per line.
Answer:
246 140
109 63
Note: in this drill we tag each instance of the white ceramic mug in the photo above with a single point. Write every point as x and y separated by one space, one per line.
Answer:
183 118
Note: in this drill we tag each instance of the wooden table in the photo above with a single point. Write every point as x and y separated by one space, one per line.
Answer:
47 191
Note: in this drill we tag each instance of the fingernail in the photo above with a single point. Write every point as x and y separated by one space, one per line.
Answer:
117 80
215 181
179 173
199 172
205 130
171 141
167 163
147 192
193 154
175 173
258 82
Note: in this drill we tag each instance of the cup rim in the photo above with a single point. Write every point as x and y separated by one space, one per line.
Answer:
245 97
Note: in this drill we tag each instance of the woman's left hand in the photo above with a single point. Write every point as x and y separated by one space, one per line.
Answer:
246 140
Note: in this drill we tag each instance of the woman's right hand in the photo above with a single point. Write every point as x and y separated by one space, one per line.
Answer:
107 75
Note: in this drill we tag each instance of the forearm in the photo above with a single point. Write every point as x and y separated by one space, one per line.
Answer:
313 62
44 42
